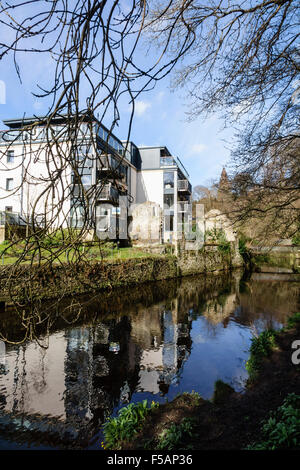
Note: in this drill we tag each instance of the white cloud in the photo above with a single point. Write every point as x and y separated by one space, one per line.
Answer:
141 107
197 148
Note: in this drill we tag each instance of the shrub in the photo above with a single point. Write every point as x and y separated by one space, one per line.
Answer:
294 320
261 347
282 429
218 236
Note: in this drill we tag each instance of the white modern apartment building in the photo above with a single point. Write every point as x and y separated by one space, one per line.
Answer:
50 177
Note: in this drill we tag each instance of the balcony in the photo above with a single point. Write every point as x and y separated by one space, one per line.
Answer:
184 187
174 161
109 166
167 161
108 193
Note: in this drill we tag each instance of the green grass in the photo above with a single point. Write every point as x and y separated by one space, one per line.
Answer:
12 254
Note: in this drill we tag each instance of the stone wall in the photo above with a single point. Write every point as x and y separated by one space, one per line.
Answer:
27 284
208 260
277 259
146 225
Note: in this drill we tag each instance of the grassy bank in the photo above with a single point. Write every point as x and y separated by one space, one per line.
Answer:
266 416
17 252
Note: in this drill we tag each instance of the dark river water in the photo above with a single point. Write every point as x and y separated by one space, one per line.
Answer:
154 341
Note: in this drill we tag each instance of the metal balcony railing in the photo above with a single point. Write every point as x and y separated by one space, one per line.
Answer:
108 193
108 164
184 186
167 161
173 161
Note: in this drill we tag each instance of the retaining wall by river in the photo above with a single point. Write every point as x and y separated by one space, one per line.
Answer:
25 283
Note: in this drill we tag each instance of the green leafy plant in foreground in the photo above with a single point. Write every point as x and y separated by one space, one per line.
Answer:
126 424
294 320
282 429
172 437
261 347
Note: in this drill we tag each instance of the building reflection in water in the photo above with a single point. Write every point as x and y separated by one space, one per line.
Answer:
181 342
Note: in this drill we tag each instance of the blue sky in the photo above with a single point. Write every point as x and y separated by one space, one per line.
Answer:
160 117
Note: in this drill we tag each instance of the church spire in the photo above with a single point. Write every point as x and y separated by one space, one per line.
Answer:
224 181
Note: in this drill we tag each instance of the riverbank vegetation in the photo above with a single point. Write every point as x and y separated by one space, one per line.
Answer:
282 429
127 424
265 417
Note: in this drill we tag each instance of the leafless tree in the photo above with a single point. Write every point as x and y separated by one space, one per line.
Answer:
97 61
244 60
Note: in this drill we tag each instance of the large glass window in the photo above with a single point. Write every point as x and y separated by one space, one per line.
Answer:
169 223
168 201
168 179
85 178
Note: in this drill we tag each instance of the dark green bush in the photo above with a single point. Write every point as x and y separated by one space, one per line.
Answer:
261 347
293 320
282 429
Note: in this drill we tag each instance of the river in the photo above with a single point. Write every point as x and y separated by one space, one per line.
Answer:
150 342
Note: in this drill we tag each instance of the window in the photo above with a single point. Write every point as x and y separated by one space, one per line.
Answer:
168 201
169 223
116 211
9 184
10 156
84 179
169 179
103 217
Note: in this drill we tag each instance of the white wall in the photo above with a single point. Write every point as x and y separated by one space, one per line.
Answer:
150 186
33 190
